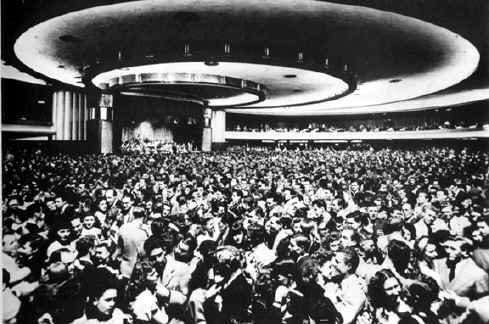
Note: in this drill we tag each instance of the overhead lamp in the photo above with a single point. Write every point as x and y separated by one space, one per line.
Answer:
326 62
119 55
266 53
227 48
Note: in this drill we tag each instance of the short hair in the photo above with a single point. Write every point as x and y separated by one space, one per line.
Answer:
351 258
302 241
230 256
101 280
158 226
138 212
84 244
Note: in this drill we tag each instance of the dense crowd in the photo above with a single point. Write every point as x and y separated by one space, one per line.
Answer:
370 126
313 236
139 145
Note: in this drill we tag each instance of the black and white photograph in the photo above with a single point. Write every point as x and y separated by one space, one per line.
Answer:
245 161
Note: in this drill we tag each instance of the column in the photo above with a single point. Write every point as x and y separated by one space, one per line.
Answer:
207 130
53 112
80 117
75 120
218 126
99 130
67 116
85 116
60 103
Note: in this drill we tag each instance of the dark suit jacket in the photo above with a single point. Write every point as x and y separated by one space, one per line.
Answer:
236 299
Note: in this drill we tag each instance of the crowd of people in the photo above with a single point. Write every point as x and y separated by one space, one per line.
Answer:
153 146
251 236
368 126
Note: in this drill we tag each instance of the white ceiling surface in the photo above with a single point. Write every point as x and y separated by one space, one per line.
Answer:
10 72
39 46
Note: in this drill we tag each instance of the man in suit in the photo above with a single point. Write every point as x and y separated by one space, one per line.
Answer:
130 242
174 275
127 214
458 271
229 295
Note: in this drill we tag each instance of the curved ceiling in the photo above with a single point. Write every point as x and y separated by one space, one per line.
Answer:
394 57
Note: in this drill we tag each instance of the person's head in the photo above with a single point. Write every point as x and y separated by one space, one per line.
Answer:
184 251
407 209
85 245
156 252
207 249
299 245
229 260
384 290
349 238
102 293
296 225
319 207
89 221
307 271
400 255
354 186
429 216
30 244
127 202
59 202
102 205
110 196
10 244
454 249
102 253
51 204
422 197
76 225
421 295
63 231
409 232
483 226
426 248
273 225
345 261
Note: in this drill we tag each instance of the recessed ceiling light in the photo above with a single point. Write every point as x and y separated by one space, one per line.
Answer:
211 63
41 102
395 80
290 76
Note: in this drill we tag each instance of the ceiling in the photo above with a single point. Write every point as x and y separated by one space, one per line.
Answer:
402 55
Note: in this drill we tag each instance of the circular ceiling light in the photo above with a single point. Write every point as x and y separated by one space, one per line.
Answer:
211 90
268 89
